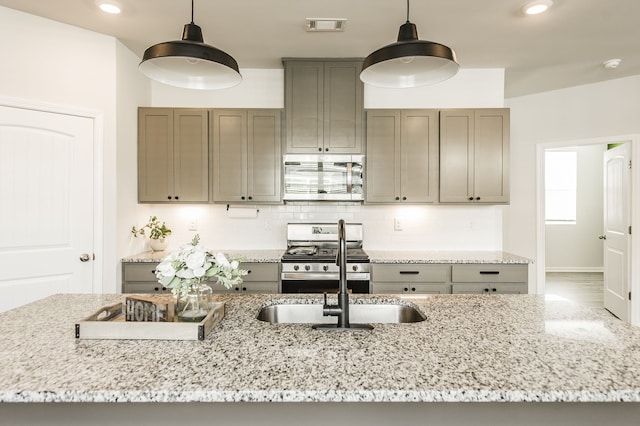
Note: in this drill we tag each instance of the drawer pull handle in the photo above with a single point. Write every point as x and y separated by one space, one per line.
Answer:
489 272
409 272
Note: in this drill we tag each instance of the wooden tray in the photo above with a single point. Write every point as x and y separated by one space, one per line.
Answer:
109 323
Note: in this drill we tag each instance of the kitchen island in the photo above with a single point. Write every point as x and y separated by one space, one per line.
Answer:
506 359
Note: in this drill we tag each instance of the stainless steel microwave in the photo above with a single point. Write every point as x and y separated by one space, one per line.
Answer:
323 177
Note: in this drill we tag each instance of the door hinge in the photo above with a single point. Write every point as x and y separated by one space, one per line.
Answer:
629 295
629 229
629 163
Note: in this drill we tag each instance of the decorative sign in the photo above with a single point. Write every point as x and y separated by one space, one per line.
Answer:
149 308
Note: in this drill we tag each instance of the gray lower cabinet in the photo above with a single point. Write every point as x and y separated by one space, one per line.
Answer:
474 156
410 278
173 155
402 156
246 156
140 277
489 279
323 106
263 278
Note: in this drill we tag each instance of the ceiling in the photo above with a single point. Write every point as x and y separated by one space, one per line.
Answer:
564 47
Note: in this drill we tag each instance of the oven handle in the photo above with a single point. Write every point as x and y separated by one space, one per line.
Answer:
324 276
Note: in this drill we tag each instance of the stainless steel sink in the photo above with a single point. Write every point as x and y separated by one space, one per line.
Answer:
384 313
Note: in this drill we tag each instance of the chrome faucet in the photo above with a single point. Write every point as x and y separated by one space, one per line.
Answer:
341 310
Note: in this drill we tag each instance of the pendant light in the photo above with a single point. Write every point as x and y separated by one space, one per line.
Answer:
409 62
190 62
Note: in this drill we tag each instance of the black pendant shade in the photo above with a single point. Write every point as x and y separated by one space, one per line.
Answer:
409 62
190 63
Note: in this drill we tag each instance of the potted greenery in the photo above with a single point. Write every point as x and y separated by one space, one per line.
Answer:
157 233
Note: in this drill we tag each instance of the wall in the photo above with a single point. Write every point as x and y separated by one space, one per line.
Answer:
576 247
132 89
64 66
424 227
583 112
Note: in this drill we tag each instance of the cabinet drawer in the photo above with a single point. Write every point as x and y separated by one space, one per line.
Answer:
410 273
489 273
139 272
261 271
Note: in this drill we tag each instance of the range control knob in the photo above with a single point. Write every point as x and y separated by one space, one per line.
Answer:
296 267
325 268
307 267
355 268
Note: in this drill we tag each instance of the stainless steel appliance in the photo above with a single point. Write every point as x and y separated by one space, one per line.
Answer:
309 263
323 177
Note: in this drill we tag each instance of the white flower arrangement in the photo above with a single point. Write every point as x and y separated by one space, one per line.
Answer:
185 270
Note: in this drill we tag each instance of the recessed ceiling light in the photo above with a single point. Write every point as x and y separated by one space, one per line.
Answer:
326 24
612 63
109 6
536 7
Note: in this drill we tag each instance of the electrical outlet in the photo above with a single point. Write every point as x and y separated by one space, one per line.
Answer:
397 224
193 225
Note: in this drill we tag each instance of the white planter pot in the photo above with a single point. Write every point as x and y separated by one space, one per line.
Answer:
159 244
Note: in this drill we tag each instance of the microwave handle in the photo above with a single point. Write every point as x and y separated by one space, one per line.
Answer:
349 182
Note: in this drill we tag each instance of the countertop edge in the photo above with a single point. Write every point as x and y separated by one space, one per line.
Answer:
317 396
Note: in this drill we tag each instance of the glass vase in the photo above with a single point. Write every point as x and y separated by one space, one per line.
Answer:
194 306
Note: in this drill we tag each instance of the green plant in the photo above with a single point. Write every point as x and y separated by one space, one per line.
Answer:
157 231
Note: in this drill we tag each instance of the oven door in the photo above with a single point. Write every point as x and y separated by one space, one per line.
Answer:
323 286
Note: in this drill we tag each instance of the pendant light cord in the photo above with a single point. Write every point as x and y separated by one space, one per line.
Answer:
407 10
192 11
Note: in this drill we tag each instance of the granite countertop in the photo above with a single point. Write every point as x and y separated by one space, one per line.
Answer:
438 256
470 348
254 256
376 256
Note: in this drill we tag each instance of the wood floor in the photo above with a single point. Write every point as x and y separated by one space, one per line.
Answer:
580 287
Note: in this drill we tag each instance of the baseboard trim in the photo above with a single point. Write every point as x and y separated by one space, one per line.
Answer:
575 269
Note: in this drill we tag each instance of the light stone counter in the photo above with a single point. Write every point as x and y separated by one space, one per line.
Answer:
479 350
254 256
453 256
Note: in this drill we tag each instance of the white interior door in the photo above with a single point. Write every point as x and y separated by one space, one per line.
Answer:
46 213
617 172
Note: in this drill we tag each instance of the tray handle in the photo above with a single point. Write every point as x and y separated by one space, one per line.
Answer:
109 312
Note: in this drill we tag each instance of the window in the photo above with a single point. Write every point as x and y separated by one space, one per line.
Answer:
560 182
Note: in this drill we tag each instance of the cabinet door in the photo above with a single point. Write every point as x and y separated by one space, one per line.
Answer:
456 156
491 156
264 161
155 155
485 288
191 155
261 272
419 156
304 103
474 156
410 288
229 129
343 107
383 156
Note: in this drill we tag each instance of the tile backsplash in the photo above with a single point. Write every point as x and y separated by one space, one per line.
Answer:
436 227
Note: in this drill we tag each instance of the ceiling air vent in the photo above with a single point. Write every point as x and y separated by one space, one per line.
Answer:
326 24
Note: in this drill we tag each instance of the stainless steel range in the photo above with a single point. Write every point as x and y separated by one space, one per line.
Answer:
309 264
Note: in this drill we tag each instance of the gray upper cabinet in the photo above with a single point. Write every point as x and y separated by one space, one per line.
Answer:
173 155
323 106
246 155
474 156
402 156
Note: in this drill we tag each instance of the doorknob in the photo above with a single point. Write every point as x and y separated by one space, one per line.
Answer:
602 237
84 257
